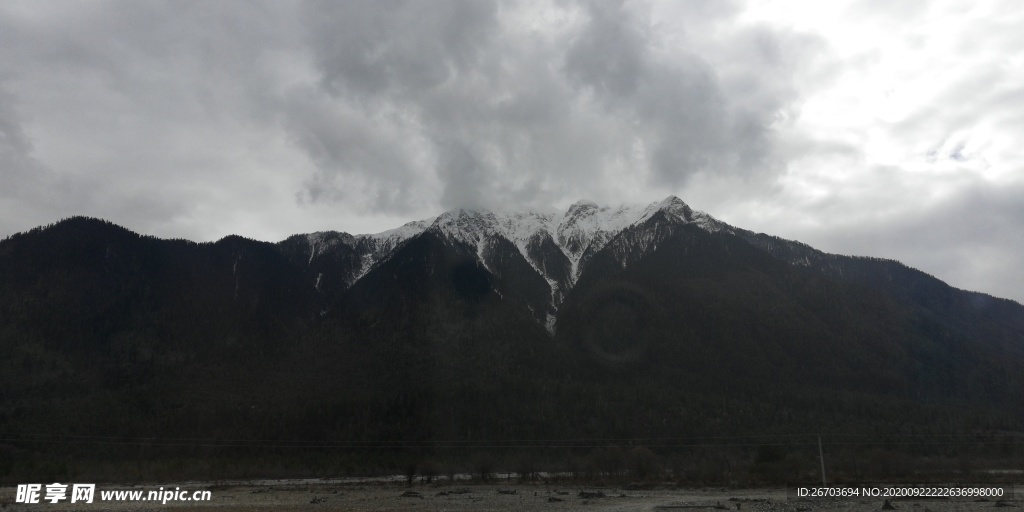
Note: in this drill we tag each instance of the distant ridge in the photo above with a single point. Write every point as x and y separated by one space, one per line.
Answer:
627 322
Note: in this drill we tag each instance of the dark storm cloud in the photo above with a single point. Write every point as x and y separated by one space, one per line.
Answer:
26 186
386 107
983 219
18 170
266 118
15 148
134 110
610 54
342 140
676 102
500 116
397 47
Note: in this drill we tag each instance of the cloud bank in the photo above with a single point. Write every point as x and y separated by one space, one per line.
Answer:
879 128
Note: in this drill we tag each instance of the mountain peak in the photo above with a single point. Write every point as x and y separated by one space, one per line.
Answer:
672 201
469 226
582 205
573 235
675 208
407 230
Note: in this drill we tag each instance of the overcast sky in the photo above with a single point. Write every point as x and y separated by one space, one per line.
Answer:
880 127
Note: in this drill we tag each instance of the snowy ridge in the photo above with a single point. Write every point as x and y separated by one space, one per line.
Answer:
674 207
578 233
377 247
473 228
401 233
584 228
369 249
588 228
323 241
467 226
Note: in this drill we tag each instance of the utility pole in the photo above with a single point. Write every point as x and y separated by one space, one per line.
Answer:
821 456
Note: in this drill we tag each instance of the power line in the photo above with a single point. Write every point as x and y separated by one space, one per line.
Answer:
518 440
664 442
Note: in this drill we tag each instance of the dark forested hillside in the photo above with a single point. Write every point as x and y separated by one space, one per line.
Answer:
112 344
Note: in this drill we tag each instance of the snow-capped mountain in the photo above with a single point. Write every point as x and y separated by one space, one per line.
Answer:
555 244
438 328
534 260
581 230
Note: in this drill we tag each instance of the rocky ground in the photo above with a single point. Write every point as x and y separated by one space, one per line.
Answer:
355 495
